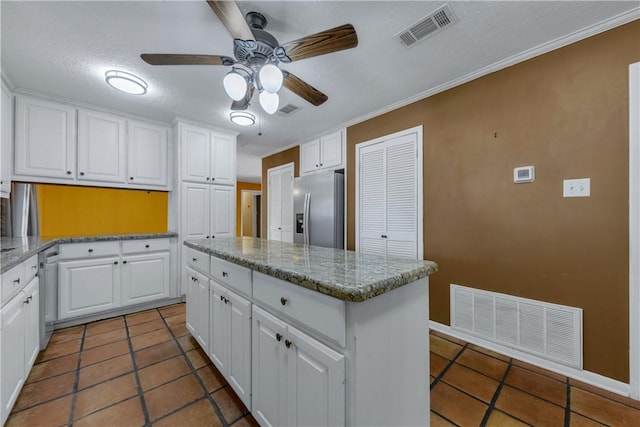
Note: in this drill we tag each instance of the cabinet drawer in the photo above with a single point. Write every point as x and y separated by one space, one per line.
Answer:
317 311
12 281
147 245
232 275
89 250
30 268
198 260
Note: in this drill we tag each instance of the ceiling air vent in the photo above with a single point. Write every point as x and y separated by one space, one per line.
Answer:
427 26
288 110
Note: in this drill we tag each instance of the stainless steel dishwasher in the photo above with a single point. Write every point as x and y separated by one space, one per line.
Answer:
48 274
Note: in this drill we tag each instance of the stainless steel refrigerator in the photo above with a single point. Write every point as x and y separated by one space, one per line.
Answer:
318 203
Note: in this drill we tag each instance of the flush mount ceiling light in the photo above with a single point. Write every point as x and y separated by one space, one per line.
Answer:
242 118
126 82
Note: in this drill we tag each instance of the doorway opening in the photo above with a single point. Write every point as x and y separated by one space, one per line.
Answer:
250 213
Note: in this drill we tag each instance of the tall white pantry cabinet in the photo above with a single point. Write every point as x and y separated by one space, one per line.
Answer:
207 164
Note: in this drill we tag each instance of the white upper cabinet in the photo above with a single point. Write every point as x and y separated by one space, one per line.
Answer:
148 154
101 146
207 156
322 154
44 138
6 142
223 204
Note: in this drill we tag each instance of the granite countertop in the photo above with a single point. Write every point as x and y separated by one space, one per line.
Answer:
22 248
347 275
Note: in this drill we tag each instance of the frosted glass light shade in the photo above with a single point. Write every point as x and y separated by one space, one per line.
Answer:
126 82
269 102
271 78
242 118
235 85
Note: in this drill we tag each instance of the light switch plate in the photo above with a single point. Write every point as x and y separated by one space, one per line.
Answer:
576 187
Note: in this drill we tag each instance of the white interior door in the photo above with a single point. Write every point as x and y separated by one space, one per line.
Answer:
280 184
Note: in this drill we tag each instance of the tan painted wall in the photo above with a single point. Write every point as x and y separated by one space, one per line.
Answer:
240 185
247 214
566 112
292 155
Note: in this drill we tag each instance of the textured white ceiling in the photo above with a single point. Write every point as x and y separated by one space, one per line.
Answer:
63 49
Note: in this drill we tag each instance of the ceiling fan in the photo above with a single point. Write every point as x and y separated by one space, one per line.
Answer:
257 55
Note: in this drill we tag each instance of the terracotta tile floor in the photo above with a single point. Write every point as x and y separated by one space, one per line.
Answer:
145 369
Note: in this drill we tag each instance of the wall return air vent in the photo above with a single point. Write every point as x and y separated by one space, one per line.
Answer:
431 24
288 110
549 331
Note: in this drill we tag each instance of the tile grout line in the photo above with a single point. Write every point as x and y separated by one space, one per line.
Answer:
494 399
194 372
437 379
143 403
76 382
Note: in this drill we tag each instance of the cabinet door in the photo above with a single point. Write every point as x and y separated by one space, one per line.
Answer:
316 382
219 327
101 147
13 354
192 301
269 369
148 154
223 159
239 362
310 156
6 142
223 208
331 150
45 138
88 286
32 323
196 157
145 277
202 322
195 211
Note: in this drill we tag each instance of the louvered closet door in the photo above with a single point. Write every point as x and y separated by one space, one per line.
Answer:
388 197
372 200
401 196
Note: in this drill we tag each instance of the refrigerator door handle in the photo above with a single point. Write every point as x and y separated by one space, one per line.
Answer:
305 225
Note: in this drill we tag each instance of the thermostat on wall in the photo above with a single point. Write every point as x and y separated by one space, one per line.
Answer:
524 174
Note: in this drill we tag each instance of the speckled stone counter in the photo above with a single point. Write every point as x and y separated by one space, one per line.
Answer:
18 249
347 275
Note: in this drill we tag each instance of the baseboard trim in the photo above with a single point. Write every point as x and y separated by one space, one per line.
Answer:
588 377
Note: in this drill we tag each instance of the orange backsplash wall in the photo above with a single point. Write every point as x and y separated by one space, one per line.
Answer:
80 211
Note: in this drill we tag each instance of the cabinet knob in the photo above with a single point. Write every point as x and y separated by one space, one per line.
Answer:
17 281
115 262
68 172
320 164
279 228
130 177
278 337
146 246
225 274
288 343
213 237
194 259
81 173
90 250
384 236
208 178
283 301
213 179
207 237
26 301
221 298
124 262
316 165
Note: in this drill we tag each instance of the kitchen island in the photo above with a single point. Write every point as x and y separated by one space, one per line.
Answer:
313 336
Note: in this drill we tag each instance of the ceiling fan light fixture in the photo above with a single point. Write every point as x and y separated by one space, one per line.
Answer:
242 118
269 102
271 78
126 82
235 85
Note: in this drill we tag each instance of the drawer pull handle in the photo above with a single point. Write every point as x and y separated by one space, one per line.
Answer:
225 274
278 337
283 301
17 281
90 250
194 259
146 246
288 343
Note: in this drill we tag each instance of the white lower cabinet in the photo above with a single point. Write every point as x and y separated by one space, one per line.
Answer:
297 380
88 286
145 277
20 343
198 307
230 344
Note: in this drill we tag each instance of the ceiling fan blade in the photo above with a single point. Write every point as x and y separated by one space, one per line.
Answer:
179 59
333 40
243 104
303 89
229 14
